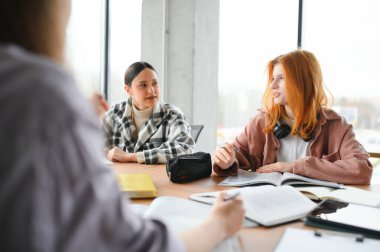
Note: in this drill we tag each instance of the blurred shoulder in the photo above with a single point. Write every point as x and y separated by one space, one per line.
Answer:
117 110
330 114
38 83
171 109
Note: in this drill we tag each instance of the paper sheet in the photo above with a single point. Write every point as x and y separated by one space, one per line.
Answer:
294 240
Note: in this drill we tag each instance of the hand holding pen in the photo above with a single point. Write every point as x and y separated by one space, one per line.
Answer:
228 209
231 196
224 156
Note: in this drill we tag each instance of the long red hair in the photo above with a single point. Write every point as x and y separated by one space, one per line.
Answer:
304 89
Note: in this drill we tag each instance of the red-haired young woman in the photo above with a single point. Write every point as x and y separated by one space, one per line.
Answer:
295 131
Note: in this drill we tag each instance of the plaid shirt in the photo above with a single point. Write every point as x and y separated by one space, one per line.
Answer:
165 135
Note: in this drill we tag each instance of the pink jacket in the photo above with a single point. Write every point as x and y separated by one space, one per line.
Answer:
333 154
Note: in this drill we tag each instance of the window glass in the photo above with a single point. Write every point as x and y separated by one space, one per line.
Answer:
83 49
251 34
125 43
345 37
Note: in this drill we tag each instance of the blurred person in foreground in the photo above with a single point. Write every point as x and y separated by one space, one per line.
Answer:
55 192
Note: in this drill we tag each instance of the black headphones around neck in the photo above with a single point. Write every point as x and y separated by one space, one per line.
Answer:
282 130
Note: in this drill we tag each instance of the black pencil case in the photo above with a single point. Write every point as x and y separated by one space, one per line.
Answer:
189 167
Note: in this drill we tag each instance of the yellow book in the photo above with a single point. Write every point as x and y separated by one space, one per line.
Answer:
137 185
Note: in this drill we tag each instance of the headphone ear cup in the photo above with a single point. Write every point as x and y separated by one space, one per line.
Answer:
281 130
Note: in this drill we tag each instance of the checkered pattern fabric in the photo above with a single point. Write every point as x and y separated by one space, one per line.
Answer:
165 135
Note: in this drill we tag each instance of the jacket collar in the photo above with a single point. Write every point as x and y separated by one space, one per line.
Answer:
150 127
328 115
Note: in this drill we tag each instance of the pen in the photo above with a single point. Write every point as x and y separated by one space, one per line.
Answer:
232 196
236 149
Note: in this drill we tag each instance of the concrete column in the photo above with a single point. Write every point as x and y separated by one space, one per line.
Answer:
180 38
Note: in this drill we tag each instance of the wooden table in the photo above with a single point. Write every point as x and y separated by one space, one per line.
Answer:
252 239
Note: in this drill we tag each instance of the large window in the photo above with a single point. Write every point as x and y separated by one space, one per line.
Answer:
125 43
251 33
345 36
83 51
86 43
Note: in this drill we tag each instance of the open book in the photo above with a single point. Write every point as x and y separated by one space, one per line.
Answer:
247 178
267 205
181 215
137 185
348 194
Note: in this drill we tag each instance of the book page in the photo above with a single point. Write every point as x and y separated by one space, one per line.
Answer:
209 198
349 194
315 192
245 178
358 196
269 205
181 215
289 178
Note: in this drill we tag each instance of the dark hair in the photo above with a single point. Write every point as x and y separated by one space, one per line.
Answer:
34 25
134 70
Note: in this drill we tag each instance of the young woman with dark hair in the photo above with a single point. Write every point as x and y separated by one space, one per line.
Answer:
142 129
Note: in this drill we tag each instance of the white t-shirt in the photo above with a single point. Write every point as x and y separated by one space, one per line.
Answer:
291 148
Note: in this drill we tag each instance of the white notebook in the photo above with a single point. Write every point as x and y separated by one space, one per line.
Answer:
267 205
181 215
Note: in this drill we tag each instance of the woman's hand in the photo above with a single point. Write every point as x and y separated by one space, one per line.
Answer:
99 104
224 220
229 213
276 167
224 156
118 155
